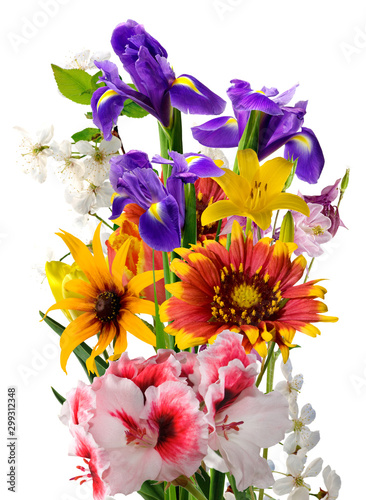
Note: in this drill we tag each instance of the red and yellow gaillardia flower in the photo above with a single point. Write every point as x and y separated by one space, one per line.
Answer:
109 307
249 289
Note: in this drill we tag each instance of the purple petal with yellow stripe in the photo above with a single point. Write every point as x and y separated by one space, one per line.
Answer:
244 98
106 105
159 226
221 132
310 159
190 96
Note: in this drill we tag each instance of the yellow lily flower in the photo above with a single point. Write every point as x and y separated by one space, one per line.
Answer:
255 192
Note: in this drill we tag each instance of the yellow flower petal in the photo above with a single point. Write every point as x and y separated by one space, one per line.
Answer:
134 325
141 281
274 173
290 202
220 210
248 164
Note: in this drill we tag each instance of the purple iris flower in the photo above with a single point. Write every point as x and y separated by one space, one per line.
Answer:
328 194
280 125
135 181
187 168
158 89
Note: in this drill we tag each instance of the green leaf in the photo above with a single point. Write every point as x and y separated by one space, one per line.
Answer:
250 137
152 491
203 481
94 81
88 134
75 84
89 115
239 495
82 351
58 396
133 110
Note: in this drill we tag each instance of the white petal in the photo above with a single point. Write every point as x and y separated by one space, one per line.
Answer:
290 443
44 136
214 461
301 493
332 482
297 382
283 485
309 439
295 464
307 414
110 147
286 369
314 468
84 148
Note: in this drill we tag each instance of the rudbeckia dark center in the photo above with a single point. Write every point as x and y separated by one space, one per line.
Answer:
107 306
244 300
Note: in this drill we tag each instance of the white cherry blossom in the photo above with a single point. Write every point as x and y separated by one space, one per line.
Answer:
96 163
36 151
332 482
85 60
294 482
70 169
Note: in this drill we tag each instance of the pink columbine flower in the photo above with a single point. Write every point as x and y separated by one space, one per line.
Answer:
159 434
241 419
311 232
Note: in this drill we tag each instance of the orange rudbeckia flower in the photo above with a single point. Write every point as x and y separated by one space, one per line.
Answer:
109 307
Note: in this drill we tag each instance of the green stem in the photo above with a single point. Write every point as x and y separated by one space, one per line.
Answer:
194 491
167 277
248 226
172 494
269 355
183 494
218 230
275 223
250 137
64 257
252 496
309 268
269 388
160 339
102 220
190 224
217 484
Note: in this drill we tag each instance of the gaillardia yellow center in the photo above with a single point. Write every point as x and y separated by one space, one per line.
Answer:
244 300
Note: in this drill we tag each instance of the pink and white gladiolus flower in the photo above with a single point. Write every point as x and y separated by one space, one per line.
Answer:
242 420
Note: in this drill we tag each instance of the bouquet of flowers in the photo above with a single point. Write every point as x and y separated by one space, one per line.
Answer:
204 262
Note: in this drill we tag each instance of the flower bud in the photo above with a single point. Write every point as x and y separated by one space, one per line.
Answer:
345 181
287 232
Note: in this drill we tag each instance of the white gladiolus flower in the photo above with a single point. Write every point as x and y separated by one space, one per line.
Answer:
332 482
36 151
97 158
85 60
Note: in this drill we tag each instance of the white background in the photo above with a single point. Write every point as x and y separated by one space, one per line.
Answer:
321 45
